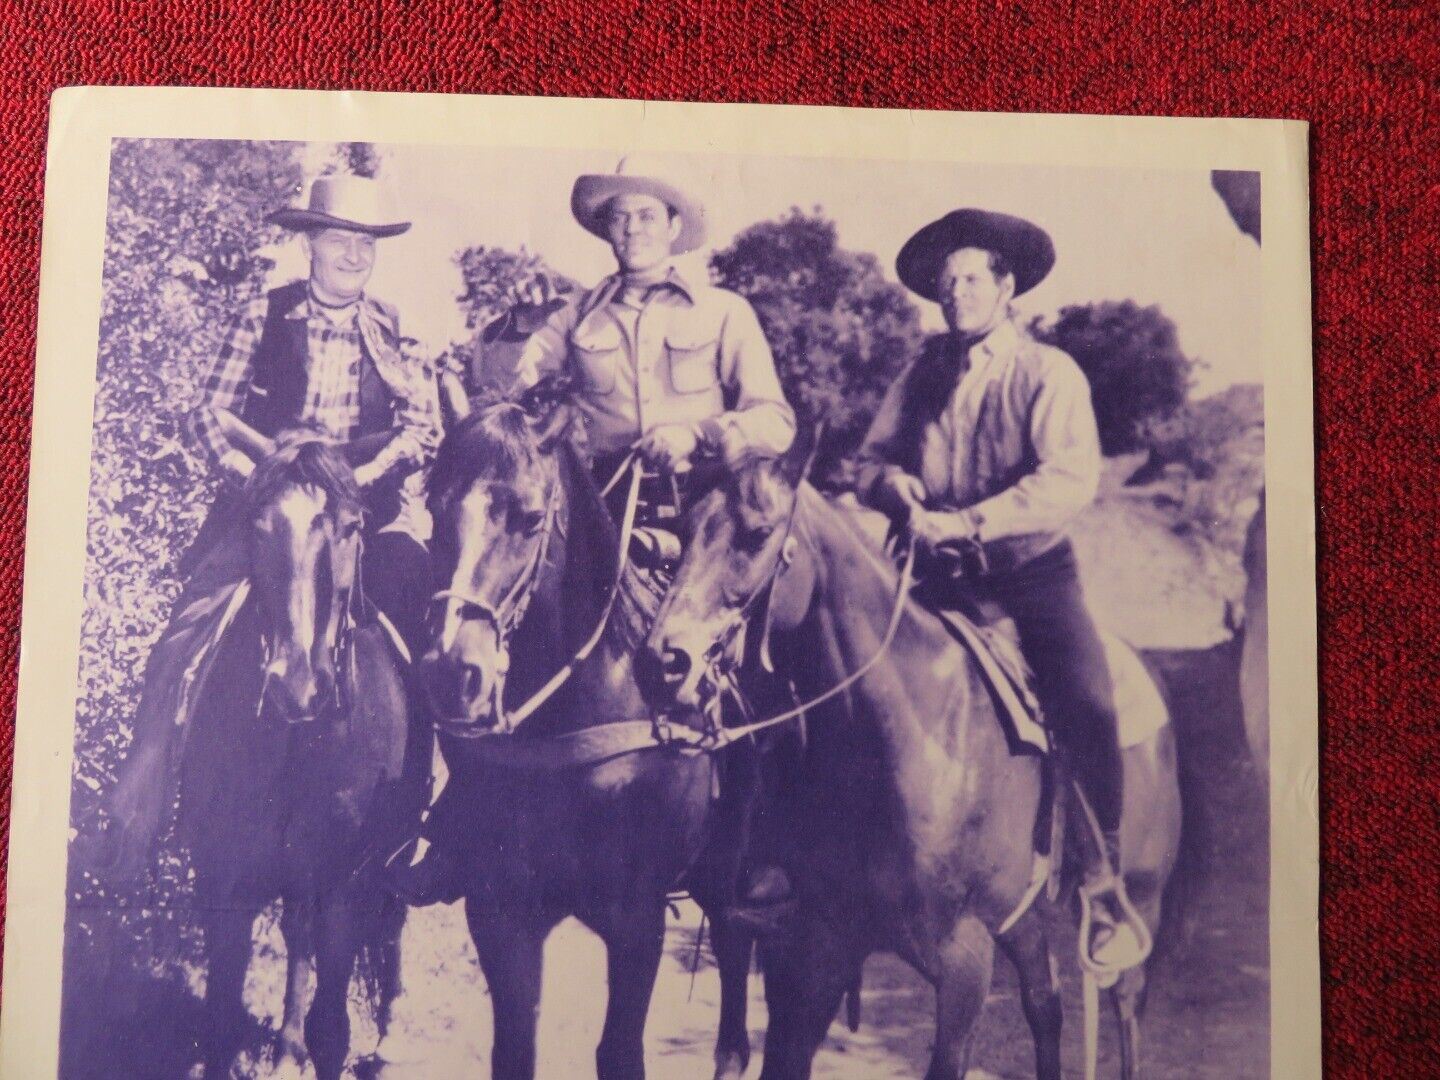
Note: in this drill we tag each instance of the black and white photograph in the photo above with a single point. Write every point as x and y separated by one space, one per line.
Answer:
646 611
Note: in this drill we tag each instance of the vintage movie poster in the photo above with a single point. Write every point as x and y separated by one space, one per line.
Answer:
550 588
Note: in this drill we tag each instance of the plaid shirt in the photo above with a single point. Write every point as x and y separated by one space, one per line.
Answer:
336 342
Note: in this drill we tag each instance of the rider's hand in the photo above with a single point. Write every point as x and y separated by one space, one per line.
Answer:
900 495
669 446
934 528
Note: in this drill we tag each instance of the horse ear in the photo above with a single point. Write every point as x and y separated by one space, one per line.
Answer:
796 463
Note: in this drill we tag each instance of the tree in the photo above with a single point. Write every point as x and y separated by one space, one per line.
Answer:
841 332
1131 355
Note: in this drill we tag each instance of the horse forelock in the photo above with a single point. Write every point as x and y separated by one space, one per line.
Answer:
303 459
494 445
759 495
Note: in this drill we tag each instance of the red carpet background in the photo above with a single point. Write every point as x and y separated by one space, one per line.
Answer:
1367 77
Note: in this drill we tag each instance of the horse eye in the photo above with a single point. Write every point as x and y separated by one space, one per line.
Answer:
531 522
752 540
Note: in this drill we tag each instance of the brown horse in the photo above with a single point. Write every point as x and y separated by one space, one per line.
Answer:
570 813
906 823
301 768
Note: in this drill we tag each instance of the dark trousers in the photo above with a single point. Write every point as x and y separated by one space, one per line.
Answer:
395 569
1063 649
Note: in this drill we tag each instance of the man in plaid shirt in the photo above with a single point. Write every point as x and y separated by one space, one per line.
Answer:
319 354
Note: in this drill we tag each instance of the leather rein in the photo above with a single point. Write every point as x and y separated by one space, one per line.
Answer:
505 617
604 742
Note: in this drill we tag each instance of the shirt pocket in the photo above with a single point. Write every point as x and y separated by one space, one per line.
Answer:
597 347
694 356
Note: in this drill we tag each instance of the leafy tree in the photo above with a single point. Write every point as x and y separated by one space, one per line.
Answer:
841 332
1131 355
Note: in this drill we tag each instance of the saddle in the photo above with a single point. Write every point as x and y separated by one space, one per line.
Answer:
991 639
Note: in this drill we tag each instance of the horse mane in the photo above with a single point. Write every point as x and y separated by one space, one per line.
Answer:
304 457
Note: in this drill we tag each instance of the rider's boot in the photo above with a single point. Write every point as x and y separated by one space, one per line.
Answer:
1118 938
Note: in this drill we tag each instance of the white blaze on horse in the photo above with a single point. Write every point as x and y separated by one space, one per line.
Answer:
301 769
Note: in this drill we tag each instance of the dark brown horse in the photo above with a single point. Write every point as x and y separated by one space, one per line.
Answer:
907 822
301 768
577 811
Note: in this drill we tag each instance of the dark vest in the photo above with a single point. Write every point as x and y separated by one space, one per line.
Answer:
278 381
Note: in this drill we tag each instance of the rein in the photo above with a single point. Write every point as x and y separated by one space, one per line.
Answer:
506 621
726 735
339 648
605 742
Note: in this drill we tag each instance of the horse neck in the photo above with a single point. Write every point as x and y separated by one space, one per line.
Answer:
570 599
854 598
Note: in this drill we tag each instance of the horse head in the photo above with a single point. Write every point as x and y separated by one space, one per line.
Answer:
304 514
496 496
744 567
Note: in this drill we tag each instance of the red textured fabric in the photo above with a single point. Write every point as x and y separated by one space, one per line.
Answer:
1364 74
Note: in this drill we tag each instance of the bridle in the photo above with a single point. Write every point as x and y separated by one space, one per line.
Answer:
347 597
506 616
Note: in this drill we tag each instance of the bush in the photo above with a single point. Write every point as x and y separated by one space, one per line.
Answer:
1131 355
841 332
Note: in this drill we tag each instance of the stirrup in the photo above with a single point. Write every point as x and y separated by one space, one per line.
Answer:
1129 938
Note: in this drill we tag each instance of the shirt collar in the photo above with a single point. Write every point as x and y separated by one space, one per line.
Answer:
1000 342
673 279
308 308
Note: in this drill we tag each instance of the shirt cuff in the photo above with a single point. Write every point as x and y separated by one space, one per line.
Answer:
237 464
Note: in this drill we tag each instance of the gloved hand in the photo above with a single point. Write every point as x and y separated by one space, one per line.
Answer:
899 496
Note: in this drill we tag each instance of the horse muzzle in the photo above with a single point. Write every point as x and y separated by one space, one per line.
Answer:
671 674
463 695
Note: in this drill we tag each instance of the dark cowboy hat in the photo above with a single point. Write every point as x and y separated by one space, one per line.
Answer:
1024 245
341 201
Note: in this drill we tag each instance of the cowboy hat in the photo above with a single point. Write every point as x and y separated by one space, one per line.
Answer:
633 176
1025 246
341 201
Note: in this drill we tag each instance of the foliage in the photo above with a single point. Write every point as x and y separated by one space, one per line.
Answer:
1131 355
185 248
841 332
495 279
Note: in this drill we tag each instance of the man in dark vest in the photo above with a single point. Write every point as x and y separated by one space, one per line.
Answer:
985 450
321 354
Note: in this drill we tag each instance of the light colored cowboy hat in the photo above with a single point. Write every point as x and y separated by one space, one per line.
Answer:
1023 244
635 176
342 201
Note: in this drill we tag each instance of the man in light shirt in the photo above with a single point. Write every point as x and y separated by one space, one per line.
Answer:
675 369
320 354
985 450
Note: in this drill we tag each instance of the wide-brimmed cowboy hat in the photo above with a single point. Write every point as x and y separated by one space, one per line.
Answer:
593 192
342 201
1024 245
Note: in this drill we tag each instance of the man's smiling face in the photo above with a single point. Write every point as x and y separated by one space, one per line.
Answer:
341 261
641 229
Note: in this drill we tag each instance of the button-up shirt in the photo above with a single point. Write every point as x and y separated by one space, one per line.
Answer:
336 341
1016 444
668 353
